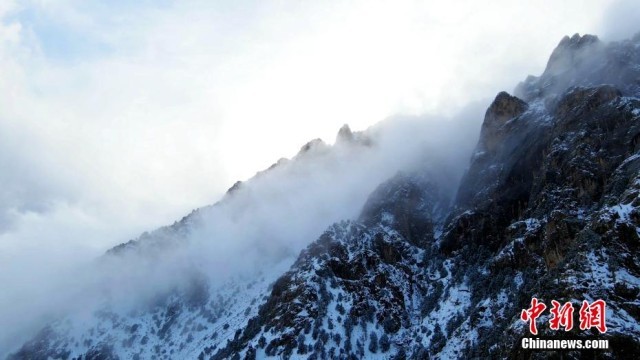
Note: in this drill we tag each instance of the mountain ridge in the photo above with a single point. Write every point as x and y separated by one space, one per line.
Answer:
548 208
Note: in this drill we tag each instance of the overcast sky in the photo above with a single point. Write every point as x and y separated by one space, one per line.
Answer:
118 116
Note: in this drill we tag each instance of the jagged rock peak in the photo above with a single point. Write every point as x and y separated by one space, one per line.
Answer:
234 187
569 52
585 61
577 41
503 108
239 185
313 144
344 134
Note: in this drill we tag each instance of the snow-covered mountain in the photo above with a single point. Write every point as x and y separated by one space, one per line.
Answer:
419 262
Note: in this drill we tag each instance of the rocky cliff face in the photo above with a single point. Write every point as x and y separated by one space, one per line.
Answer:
548 208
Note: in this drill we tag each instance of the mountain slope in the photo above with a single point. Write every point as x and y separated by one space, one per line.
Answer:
548 208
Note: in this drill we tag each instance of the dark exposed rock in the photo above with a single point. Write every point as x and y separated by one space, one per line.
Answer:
347 137
344 134
585 61
408 203
569 53
236 186
313 144
503 108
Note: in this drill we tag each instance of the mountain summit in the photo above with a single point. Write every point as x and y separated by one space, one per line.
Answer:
548 208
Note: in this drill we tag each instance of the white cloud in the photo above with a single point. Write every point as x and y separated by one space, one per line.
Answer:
620 20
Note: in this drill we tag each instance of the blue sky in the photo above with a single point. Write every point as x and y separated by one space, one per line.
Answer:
67 31
57 40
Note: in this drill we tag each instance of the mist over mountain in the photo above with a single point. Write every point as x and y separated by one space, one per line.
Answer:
414 238
258 224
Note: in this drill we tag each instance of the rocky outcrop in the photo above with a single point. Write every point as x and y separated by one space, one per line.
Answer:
570 53
543 209
344 134
504 108
347 137
411 204
549 207
585 61
351 279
